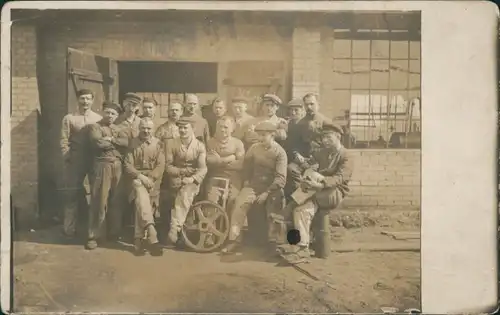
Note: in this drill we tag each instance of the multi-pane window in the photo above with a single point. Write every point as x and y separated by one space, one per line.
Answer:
376 81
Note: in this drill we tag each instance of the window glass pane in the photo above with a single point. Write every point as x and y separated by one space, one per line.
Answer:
341 74
415 114
399 50
380 49
380 117
361 49
361 74
397 110
414 75
341 48
415 50
341 100
380 74
399 74
361 120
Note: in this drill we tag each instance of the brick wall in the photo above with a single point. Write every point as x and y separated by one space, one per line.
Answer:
306 61
385 178
24 123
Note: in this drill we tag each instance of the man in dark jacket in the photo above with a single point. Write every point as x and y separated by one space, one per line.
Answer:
327 186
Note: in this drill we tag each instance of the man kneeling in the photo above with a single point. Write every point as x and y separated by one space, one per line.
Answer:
327 187
144 165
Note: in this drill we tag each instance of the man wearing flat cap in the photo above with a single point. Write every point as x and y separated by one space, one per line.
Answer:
295 114
144 166
76 158
241 117
129 119
200 124
327 184
108 143
269 106
264 177
186 167
306 137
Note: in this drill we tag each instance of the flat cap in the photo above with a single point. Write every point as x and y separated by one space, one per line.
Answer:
184 120
112 105
271 97
331 127
239 99
296 102
265 126
133 98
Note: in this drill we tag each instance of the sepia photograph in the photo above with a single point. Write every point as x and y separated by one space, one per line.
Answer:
215 160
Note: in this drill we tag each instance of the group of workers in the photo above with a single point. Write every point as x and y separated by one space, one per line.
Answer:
132 162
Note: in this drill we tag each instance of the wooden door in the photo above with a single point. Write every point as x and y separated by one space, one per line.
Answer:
89 71
252 79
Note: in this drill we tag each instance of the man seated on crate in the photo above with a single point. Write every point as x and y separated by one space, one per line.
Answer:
264 177
185 170
144 166
323 187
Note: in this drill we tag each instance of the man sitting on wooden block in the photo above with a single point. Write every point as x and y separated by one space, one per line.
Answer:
144 165
322 189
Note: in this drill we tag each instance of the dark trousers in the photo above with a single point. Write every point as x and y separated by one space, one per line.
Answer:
107 197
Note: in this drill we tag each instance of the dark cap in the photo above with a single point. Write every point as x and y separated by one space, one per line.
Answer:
239 99
132 97
330 127
112 105
273 98
184 120
84 92
265 126
296 102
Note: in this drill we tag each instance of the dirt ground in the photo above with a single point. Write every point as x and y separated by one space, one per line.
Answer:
52 276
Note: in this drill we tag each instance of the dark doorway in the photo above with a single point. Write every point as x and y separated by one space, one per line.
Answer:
167 77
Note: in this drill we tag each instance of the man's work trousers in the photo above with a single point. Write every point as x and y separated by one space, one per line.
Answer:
144 211
75 172
294 177
244 201
105 196
303 216
182 203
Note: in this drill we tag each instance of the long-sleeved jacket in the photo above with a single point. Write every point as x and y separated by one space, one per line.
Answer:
250 136
201 130
185 161
131 126
241 125
107 150
167 131
218 149
146 158
337 169
265 168
74 136
308 134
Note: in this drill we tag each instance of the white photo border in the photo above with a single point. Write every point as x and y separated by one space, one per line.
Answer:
459 132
